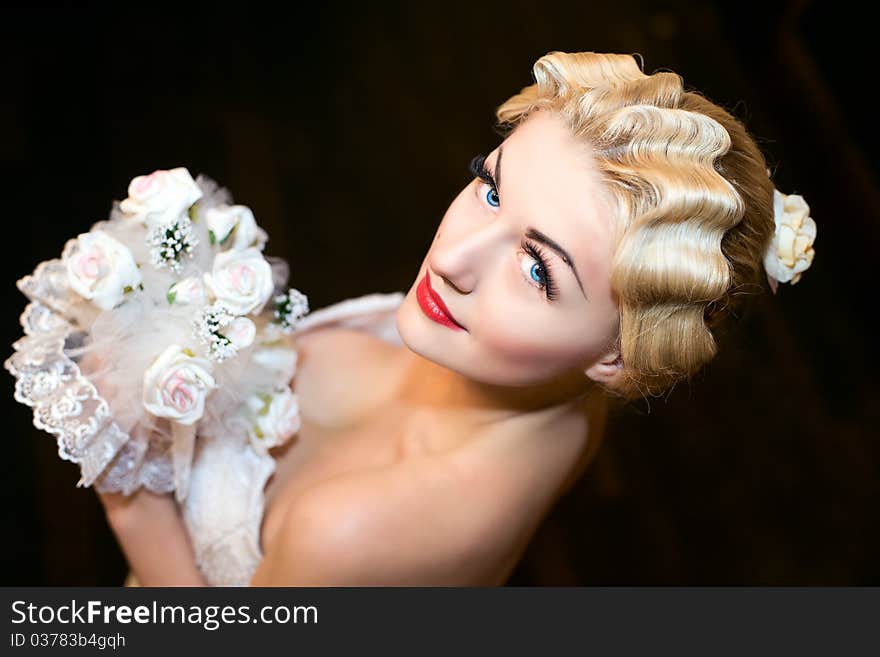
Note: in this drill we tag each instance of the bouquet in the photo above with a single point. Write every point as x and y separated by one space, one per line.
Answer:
160 325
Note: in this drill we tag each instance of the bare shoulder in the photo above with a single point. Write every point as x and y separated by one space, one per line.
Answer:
426 520
337 370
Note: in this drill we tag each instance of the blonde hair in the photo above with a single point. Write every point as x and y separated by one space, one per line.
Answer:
692 198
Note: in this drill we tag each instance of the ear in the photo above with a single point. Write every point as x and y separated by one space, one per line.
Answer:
607 368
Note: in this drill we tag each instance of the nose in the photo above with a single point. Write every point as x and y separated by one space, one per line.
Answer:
461 260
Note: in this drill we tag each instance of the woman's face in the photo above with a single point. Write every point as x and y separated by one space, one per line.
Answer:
522 263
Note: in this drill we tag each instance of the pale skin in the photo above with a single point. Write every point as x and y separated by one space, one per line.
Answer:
433 463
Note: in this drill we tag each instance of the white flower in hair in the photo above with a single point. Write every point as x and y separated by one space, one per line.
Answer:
100 268
176 384
161 196
790 252
274 418
242 280
235 222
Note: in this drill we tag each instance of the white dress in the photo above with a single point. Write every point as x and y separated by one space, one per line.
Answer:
223 511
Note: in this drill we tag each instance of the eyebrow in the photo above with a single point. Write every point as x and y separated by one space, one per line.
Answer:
537 235
498 167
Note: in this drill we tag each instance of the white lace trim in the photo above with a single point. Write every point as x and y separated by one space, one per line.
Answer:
65 403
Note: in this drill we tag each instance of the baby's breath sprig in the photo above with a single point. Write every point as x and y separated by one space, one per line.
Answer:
290 307
207 326
171 240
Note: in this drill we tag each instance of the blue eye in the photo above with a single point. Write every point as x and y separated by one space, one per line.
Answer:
537 273
492 197
535 270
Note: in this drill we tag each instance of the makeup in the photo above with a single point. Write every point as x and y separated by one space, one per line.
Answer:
432 305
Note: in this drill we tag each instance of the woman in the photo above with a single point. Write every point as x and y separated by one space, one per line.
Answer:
593 257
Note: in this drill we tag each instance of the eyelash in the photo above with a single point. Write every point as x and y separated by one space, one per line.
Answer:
537 253
478 169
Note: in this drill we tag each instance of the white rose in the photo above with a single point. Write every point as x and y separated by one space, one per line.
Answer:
241 332
100 268
161 196
275 418
187 291
236 221
176 384
241 279
791 251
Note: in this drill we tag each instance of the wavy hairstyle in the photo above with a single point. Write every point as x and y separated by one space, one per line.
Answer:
692 198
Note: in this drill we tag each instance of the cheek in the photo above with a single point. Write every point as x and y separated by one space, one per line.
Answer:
523 342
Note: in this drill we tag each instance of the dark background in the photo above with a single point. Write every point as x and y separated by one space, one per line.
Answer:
348 128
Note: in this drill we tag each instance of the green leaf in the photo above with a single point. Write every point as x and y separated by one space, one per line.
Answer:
212 237
267 403
171 296
193 216
127 289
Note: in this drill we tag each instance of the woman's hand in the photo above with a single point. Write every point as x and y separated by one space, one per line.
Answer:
148 526
152 535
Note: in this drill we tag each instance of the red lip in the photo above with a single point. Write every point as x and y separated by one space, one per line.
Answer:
432 305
